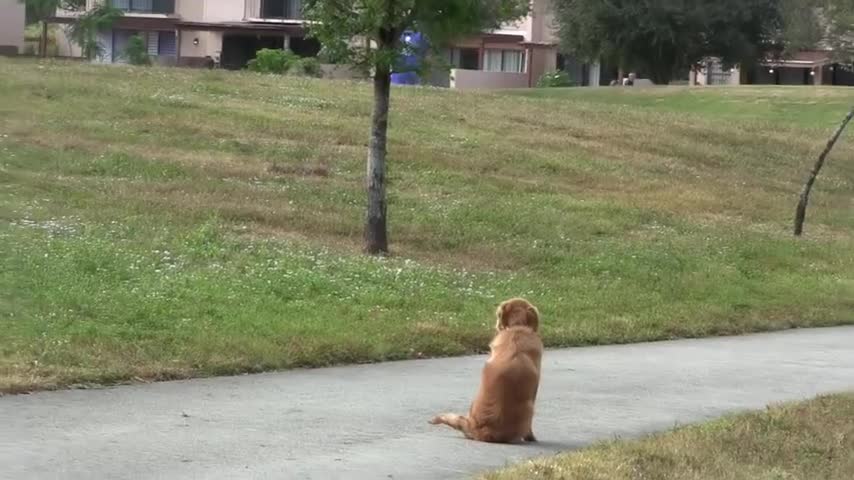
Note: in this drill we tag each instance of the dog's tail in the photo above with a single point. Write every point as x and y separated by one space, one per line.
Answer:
458 422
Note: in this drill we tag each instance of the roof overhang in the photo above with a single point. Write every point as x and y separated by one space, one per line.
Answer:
539 44
168 23
805 59
296 28
500 38
132 22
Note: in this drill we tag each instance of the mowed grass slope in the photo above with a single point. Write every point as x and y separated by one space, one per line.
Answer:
797 441
164 223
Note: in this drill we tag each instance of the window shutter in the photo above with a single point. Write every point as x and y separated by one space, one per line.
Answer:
168 44
153 43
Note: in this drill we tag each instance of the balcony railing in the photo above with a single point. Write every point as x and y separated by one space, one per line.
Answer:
166 7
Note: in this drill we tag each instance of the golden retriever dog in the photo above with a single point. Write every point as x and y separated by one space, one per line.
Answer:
503 408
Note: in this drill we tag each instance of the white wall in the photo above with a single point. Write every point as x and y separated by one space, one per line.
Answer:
65 46
594 75
192 10
478 79
714 68
106 41
12 24
223 10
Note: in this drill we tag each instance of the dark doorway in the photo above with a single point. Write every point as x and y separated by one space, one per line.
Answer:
607 74
842 74
237 50
579 72
469 58
304 47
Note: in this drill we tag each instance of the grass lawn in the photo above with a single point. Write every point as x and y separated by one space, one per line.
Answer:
166 223
800 441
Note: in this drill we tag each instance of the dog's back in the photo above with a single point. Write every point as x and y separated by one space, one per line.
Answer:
503 409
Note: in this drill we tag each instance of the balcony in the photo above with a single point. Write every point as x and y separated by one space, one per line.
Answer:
272 10
157 7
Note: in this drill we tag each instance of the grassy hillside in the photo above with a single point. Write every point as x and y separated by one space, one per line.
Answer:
161 223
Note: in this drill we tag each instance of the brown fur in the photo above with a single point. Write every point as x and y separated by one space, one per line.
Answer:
503 409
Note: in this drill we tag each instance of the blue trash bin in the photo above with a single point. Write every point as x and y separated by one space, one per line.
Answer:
408 63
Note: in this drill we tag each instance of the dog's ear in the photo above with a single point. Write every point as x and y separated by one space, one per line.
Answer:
533 317
501 316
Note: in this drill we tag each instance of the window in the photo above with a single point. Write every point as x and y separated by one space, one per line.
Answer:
290 9
293 9
162 44
504 60
145 6
167 44
465 58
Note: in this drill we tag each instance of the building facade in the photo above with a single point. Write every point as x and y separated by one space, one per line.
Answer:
808 67
198 32
229 32
517 55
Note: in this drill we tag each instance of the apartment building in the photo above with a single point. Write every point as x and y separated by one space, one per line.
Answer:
516 55
807 67
195 32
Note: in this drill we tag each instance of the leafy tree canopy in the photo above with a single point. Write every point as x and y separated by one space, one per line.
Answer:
666 37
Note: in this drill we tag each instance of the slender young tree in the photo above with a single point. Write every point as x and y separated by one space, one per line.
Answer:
367 34
803 200
84 31
41 11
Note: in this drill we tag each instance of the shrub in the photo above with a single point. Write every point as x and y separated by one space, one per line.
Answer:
555 79
269 60
325 56
308 66
137 51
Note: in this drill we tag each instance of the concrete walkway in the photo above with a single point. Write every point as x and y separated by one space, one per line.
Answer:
370 422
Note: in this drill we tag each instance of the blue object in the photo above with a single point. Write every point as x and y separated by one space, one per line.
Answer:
414 47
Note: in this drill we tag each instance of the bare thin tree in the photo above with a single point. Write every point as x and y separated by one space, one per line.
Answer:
801 212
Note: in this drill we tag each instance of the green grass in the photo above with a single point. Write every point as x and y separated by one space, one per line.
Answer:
798 441
165 223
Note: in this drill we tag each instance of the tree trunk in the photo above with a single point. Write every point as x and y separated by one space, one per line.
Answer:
801 212
43 42
376 234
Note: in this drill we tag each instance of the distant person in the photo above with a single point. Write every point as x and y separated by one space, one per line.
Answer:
629 81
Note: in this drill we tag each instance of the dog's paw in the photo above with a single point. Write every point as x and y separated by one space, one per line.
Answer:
435 421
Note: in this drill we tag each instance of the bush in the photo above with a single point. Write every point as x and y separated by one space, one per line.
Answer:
269 60
137 51
308 66
325 56
555 79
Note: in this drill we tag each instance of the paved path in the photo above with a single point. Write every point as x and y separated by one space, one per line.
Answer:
370 422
